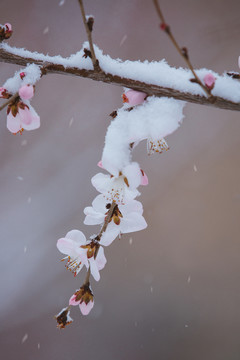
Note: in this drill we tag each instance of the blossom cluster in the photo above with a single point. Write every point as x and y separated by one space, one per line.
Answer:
19 90
115 209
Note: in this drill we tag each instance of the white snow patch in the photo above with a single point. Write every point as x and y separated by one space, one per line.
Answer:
32 75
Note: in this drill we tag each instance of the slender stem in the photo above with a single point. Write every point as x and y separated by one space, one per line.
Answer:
180 51
87 277
106 222
89 35
11 99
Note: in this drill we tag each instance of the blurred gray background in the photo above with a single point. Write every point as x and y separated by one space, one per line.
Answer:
173 293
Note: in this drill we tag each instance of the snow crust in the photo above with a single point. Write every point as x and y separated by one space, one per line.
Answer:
155 72
155 119
32 75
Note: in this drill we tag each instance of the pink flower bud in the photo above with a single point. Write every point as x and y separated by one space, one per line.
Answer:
8 26
2 90
133 97
209 81
26 92
22 75
100 164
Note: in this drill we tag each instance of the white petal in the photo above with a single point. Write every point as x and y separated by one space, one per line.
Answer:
101 182
77 236
131 206
99 204
133 222
133 174
94 269
101 259
110 234
67 247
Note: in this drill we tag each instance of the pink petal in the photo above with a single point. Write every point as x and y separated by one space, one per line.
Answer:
72 300
13 123
29 118
25 116
144 178
209 80
26 92
86 308
135 97
100 164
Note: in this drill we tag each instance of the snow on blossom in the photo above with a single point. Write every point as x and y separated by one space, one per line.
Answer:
26 92
120 188
84 298
154 119
125 218
32 73
22 116
133 97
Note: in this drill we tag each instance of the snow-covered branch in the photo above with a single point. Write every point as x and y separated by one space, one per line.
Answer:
152 78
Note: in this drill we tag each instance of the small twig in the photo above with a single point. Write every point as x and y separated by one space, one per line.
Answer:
89 35
182 51
86 282
11 99
106 222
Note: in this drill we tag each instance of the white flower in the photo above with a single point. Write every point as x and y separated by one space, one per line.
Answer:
125 218
120 189
81 252
156 146
71 245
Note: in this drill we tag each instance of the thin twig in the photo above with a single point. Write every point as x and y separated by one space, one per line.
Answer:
183 52
11 99
86 282
89 35
106 222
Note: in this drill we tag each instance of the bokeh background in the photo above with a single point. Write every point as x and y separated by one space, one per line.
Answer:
169 292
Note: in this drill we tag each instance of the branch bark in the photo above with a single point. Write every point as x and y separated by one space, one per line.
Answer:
150 89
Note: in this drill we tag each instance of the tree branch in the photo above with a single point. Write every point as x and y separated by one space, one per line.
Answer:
149 89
